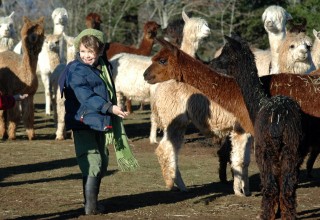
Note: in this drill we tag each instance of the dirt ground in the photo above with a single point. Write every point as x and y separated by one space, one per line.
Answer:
40 179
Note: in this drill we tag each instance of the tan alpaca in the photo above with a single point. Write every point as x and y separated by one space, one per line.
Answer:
48 60
18 75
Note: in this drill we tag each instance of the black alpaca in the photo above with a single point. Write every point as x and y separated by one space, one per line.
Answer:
278 132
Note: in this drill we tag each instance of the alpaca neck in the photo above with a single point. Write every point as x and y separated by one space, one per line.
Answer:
275 40
221 89
251 88
146 46
189 45
315 53
54 59
58 29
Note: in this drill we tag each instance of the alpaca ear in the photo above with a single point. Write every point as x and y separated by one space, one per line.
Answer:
184 16
41 19
12 13
26 19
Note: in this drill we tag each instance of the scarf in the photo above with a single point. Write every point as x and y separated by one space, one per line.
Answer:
117 135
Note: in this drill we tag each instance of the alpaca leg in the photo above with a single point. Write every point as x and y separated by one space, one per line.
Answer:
46 83
240 160
167 155
121 100
289 182
224 159
270 190
60 113
314 152
13 115
28 116
129 105
3 130
153 130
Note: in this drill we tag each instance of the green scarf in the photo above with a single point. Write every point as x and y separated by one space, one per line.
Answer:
117 135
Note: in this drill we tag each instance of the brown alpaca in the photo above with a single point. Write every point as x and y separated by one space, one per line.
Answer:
278 131
18 75
149 33
171 63
93 20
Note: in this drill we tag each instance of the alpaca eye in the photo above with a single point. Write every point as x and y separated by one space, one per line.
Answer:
162 61
291 46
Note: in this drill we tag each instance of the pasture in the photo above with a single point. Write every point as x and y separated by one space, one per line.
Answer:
40 179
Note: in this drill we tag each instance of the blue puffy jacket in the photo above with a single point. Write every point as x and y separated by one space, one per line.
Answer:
87 98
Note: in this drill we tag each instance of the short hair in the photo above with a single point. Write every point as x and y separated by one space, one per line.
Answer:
92 42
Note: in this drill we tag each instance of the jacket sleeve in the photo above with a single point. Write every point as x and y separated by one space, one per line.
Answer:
6 102
85 94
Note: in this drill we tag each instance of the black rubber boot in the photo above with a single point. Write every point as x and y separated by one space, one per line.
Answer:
91 195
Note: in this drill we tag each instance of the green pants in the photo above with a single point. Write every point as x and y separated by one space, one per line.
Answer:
92 155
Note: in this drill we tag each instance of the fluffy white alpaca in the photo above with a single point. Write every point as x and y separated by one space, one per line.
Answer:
60 21
295 54
7 33
57 100
315 52
47 62
274 21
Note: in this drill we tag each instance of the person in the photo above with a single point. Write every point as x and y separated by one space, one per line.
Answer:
93 115
8 101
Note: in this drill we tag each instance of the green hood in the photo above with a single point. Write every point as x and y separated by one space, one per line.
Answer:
98 34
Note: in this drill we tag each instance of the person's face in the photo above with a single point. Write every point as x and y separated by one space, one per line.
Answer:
87 55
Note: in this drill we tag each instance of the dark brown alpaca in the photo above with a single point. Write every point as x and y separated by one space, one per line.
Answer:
93 20
278 132
18 75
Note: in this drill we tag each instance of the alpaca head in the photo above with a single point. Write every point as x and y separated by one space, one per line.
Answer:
174 31
93 20
32 35
150 29
164 64
274 19
6 27
236 56
295 53
195 28
60 16
51 43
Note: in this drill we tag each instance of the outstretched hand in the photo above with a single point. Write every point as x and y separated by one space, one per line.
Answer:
19 97
116 110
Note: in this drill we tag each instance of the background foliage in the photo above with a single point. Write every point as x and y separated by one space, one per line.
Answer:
123 20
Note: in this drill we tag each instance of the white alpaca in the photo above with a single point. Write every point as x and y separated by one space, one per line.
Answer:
316 49
7 33
57 100
274 21
295 54
174 105
47 62
60 21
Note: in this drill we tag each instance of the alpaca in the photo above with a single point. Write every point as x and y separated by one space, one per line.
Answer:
174 31
93 20
18 75
174 105
60 20
295 54
57 100
316 49
150 30
48 59
7 33
278 133
171 63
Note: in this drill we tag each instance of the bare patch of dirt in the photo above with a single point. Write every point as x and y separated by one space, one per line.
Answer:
40 179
